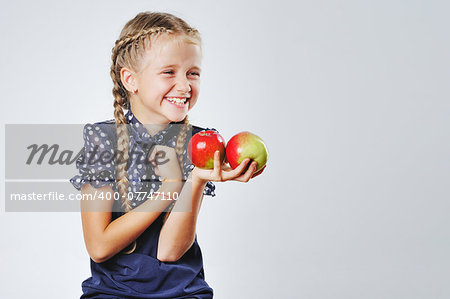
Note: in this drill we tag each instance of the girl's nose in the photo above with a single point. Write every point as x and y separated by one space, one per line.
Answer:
183 85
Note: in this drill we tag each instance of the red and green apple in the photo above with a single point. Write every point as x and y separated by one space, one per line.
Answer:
246 145
203 145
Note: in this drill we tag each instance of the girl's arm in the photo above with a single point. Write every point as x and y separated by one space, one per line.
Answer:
178 232
104 238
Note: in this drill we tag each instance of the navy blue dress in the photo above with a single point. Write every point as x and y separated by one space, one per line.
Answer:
139 274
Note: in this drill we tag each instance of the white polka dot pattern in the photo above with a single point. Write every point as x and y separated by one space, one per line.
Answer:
97 164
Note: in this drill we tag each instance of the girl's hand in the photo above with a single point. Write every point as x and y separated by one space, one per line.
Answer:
222 173
165 162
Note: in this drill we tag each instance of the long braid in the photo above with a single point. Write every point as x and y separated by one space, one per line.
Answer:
121 100
181 140
128 52
179 150
122 148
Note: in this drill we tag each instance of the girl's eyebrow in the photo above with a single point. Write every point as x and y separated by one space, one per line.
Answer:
176 65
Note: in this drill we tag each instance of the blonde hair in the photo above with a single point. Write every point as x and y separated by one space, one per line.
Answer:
129 51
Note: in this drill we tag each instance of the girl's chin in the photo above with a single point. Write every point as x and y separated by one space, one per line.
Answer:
176 114
176 117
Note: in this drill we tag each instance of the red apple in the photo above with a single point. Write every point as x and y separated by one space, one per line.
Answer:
246 145
203 145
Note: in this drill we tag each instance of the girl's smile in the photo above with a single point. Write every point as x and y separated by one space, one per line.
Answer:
179 102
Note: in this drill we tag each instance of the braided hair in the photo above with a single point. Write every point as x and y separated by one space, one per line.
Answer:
129 51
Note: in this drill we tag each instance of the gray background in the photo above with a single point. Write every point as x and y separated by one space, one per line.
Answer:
351 97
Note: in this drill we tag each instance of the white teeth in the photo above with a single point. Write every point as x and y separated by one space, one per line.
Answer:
177 100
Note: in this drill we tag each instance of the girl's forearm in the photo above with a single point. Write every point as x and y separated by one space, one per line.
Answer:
178 232
127 228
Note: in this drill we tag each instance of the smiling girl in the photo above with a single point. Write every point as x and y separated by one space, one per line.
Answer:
148 248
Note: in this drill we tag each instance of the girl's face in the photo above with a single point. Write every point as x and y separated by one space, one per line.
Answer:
170 69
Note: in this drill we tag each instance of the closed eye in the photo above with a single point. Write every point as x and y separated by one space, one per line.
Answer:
192 73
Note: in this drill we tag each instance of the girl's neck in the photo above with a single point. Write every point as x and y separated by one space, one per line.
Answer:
152 127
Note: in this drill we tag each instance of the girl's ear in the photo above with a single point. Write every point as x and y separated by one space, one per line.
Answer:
128 79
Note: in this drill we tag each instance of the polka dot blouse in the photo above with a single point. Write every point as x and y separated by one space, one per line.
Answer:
97 164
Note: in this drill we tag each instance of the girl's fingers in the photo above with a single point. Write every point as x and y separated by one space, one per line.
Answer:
217 160
217 167
224 172
237 171
248 174
226 167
